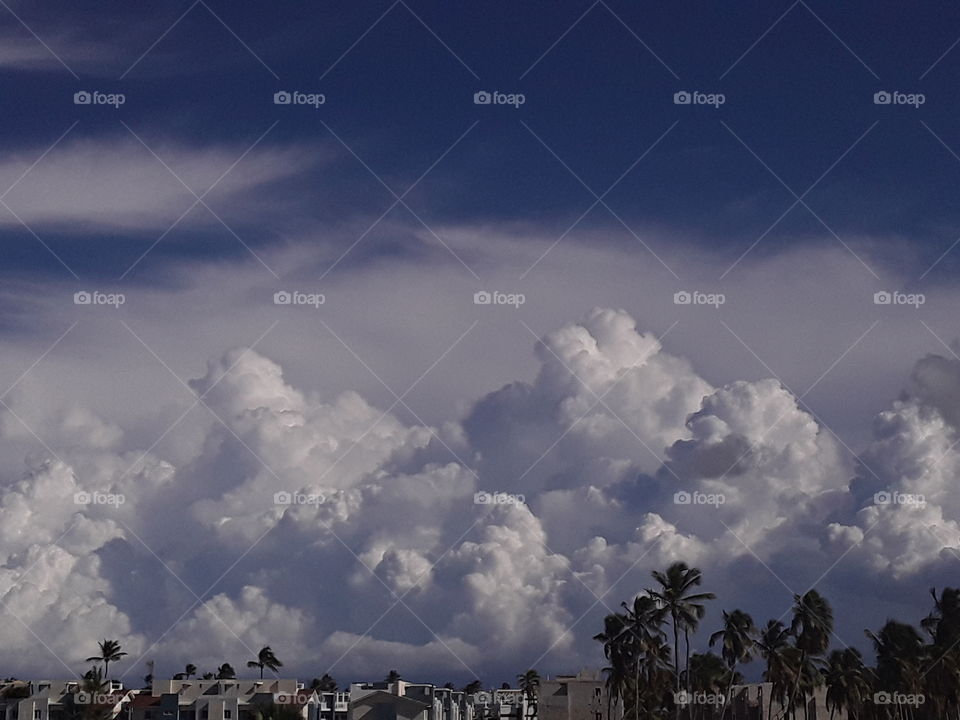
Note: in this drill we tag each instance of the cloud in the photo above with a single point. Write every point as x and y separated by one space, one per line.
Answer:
385 558
88 185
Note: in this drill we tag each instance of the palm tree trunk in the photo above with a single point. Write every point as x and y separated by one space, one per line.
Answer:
106 669
796 684
726 698
676 662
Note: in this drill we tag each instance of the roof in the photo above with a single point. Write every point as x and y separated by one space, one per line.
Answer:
143 700
379 697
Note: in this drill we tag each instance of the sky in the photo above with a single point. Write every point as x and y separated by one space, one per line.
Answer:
289 290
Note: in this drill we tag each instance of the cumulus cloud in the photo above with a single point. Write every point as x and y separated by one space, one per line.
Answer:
344 534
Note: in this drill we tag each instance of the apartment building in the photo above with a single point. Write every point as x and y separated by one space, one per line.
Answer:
583 696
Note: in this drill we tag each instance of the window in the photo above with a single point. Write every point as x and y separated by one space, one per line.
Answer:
205 714
227 714
37 714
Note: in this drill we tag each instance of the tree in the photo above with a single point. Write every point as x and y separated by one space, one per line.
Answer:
265 659
393 676
324 684
616 651
529 682
737 644
472 687
226 672
773 644
848 682
685 608
189 670
811 627
642 639
109 652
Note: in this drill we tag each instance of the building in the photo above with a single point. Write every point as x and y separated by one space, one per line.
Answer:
190 699
402 700
583 696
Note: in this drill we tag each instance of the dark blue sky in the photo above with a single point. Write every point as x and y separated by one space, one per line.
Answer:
598 78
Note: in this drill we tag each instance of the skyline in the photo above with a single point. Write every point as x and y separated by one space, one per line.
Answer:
289 294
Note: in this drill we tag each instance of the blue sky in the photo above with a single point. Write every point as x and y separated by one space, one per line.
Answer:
599 79
809 225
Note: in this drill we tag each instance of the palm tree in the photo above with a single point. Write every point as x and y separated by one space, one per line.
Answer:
529 682
899 649
848 682
773 644
265 659
685 608
617 652
811 627
324 684
707 674
393 676
641 642
109 652
472 687
737 643
92 684
226 672
189 670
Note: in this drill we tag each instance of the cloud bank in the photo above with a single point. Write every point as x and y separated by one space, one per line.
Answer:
349 539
